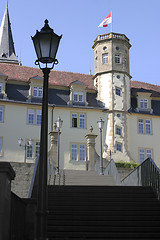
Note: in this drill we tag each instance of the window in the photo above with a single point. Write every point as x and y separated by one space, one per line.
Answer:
144 126
37 91
82 152
34 116
78 152
148 153
148 126
105 58
37 149
31 116
141 155
1 144
144 154
78 97
82 120
117 59
141 126
118 131
78 120
38 117
125 62
118 91
119 147
29 150
33 150
74 120
1 113
74 152
1 87
144 103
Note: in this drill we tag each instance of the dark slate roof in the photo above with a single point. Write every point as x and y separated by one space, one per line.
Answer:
17 92
57 97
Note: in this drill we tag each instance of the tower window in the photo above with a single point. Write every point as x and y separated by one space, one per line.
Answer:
119 147
117 48
118 91
105 58
117 59
118 131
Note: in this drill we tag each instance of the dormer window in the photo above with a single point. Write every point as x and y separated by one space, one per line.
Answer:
78 93
144 103
78 97
37 92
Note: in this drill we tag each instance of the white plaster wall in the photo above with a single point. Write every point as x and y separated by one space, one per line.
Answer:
105 89
74 135
14 127
142 140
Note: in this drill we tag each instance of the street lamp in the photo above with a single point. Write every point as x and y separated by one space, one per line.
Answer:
20 142
59 125
100 126
46 44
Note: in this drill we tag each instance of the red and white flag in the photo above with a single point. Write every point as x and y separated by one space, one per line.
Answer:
106 21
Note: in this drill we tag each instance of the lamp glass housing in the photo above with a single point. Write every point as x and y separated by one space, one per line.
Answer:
46 44
20 140
59 122
100 123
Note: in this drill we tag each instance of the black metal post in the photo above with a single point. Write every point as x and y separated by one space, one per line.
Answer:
101 160
41 224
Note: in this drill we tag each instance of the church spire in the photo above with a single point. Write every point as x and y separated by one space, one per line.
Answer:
7 50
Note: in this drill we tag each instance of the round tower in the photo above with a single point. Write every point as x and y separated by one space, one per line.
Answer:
112 80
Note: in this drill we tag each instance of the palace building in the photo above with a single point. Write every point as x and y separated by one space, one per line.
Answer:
130 109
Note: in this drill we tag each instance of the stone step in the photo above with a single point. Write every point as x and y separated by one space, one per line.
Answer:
85 178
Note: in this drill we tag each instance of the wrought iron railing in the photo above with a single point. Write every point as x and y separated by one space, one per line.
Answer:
146 174
18 210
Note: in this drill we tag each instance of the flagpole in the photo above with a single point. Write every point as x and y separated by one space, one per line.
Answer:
111 21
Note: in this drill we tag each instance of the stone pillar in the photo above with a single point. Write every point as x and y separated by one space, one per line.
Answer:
6 175
91 153
53 147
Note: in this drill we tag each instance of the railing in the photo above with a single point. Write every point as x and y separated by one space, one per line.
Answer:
147 174
112 35
33 177
111 169
18 208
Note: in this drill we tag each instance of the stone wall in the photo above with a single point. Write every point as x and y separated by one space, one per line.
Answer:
24 172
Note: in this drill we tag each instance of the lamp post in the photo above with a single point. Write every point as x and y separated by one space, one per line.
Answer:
46 44
59 125
100 123
20 141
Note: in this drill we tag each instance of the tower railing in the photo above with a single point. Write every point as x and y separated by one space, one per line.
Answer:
110 36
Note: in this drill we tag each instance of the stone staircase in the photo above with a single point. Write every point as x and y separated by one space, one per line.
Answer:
102 212
82 178
85 178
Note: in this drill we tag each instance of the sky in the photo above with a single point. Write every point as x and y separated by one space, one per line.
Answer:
78 20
